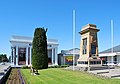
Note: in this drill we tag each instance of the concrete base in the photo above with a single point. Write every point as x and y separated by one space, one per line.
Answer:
77 68
110 73
99 68
90 68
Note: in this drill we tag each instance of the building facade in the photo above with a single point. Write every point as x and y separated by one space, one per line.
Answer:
66 56
111 56
21 53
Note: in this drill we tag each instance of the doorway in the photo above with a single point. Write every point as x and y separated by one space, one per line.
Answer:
21 56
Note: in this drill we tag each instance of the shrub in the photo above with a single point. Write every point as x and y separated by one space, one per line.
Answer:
63 66
25 67
59 66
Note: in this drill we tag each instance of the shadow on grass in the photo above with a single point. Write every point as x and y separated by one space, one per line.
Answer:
37 73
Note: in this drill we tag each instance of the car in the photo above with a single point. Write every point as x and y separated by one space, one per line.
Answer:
3 63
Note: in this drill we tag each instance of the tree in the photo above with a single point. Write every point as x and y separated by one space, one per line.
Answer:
0 58
3 58
39 49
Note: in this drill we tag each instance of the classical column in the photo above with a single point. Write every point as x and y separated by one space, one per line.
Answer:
30 54
52 55
56 56
13 55
16 55
26 55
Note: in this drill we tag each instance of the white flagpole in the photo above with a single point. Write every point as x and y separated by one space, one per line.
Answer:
112 35
73 36
112 39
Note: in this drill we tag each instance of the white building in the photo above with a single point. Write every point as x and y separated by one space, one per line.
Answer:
111 58
21 47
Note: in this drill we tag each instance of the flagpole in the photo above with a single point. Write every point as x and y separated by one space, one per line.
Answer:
112 39
112 35
73 37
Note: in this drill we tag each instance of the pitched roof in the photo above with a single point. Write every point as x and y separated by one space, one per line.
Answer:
76 51
115 49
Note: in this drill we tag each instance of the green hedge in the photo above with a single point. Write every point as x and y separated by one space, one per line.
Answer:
58 66
25 67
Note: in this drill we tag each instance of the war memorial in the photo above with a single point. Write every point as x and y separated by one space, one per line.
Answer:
89 59
89 47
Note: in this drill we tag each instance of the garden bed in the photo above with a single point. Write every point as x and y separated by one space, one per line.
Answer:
15 77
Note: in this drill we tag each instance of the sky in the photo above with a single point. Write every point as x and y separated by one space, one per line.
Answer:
21 17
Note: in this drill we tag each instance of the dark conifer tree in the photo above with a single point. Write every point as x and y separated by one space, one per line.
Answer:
39 50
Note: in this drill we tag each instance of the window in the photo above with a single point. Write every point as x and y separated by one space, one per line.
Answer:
115 59
95 62
93 49
84 46
84 62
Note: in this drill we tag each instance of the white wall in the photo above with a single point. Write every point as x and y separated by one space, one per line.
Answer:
118 60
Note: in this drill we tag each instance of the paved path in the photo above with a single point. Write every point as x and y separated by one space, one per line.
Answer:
111 73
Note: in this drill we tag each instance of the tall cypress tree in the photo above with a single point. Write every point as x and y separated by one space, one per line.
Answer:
39 50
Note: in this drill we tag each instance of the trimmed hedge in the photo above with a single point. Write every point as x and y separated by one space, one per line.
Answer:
59 66
25 67
56 66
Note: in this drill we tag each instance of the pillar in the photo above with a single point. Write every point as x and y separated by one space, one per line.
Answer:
56 56
13 55
30 55
52 55
101 62
16 55
26 55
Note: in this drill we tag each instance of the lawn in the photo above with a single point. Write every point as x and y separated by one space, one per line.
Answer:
61 76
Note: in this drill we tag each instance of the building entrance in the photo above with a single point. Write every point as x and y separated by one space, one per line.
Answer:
21 56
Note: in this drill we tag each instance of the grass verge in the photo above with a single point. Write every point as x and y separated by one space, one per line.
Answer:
61 76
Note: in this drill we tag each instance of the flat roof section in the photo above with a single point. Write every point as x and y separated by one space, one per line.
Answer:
25 39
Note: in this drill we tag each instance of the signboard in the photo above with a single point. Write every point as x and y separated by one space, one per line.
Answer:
69 60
